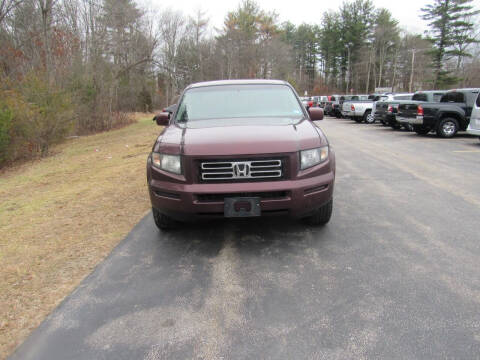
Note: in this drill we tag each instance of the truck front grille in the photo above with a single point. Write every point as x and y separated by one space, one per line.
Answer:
241 170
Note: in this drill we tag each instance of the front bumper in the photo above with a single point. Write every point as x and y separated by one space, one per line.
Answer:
473 131
187 201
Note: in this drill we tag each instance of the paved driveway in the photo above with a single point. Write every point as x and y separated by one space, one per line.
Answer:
394 275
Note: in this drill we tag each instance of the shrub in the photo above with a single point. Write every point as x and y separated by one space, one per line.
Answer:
6 117
53 115
14 130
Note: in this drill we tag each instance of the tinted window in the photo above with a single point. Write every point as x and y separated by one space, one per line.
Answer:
420 97
478 100
455 97
238 101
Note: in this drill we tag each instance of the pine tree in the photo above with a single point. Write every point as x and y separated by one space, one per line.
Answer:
448 22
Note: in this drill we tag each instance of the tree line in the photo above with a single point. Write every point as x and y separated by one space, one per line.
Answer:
78 66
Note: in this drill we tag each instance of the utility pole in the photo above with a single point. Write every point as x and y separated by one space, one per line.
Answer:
368 71
348 67
411 72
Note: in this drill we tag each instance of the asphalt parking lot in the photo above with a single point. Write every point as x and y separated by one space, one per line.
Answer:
394 275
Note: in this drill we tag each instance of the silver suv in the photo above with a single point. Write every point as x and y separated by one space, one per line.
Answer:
474 126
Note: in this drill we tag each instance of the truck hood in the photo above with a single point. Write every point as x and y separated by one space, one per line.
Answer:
259 138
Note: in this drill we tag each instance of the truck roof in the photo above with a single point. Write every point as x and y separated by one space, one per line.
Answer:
466 89
238 82
430 91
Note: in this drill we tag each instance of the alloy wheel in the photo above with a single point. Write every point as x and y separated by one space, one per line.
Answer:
449 128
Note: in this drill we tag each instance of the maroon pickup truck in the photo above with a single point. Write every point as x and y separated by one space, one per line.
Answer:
240 148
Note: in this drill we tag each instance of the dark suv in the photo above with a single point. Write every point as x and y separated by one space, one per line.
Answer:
240 148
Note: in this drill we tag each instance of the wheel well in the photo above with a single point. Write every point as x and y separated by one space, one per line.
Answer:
455 116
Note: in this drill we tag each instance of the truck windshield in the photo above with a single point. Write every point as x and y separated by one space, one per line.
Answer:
239 101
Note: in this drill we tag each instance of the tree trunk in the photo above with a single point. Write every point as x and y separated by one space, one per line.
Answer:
46 9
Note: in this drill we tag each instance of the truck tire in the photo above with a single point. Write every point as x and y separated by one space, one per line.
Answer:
447 127
420 130
163 221
368 117
321 215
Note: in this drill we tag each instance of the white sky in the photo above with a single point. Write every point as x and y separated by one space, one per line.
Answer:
297 11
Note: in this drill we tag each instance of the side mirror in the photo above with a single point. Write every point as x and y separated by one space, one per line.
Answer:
162 119
315 113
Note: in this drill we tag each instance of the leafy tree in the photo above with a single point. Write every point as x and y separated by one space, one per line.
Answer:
355 27
330 48
247 33
449 25
304 41
385 42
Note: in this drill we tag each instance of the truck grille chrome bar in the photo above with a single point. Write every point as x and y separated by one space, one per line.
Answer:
238 170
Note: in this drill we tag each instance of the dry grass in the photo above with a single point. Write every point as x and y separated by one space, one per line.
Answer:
61 215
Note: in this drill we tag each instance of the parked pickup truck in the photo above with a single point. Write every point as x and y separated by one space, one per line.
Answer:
322 101
307 101
335 103
446 117
359 110
332 105
240 148
386 109
423 96
347 104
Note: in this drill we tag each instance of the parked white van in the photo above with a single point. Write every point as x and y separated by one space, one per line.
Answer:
474 126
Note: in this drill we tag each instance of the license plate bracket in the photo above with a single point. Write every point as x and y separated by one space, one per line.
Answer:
242 207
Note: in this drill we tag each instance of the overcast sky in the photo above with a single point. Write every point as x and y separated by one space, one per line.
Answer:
309 11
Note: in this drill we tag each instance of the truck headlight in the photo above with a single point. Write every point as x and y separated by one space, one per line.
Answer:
170 163
309 158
